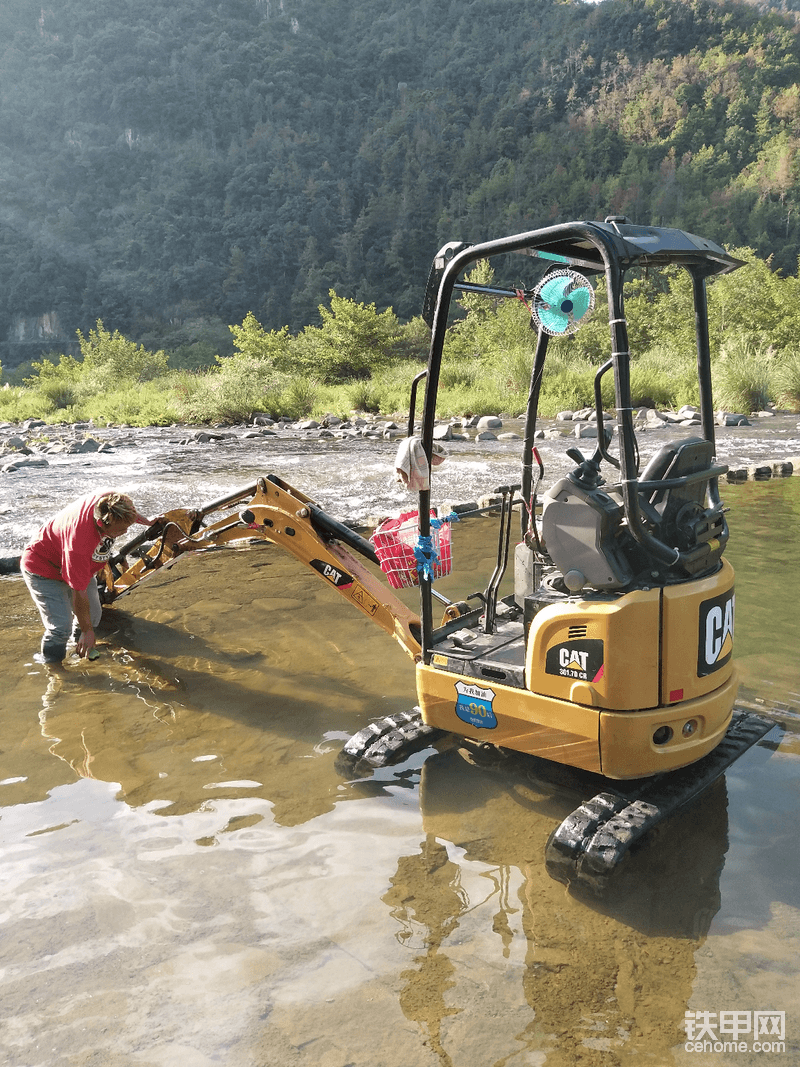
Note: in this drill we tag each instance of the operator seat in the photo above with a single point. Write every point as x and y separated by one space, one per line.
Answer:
677 515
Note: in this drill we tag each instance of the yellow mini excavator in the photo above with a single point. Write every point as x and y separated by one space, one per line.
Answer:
613 654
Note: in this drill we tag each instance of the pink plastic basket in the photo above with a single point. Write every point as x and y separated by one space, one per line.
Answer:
394 542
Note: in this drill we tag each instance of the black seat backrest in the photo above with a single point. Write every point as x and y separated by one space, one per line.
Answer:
674 460
663 506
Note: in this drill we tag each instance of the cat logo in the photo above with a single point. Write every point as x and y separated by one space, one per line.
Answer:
339 578
576 659
715 644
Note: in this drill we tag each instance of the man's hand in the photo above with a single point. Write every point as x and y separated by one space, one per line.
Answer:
80 605
86 643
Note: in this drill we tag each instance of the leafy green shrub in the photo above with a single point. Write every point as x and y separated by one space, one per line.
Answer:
253 341
109 359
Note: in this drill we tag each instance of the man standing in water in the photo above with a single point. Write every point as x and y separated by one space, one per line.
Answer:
60 563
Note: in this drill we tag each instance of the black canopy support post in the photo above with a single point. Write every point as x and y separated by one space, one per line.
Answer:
621 361
700 293
531 415
703 354
627 444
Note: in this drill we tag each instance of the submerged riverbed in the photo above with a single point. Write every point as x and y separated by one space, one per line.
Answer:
189 880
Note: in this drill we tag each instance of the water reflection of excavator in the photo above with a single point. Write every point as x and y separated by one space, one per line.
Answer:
608 983
612 656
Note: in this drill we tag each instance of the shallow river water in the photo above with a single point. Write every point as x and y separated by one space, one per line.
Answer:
188 880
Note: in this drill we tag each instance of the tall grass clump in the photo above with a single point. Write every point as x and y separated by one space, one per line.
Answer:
298 398
240 388
742 376
664 378
786 380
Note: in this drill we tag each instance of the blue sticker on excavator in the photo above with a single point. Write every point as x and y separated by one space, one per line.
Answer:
474 706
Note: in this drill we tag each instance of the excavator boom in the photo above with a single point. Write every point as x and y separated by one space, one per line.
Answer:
273 511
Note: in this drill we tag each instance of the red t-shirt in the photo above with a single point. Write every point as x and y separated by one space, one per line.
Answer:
70 547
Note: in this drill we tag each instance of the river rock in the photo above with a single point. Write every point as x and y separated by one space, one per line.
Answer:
15 444
485 435
443 431
460 508
585 429
652 416
564 416
730 418
759 473
89 444
24 461
490 422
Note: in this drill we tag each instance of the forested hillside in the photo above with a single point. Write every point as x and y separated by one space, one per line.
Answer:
195 160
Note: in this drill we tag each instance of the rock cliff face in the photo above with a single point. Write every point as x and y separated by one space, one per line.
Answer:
36 328
29 336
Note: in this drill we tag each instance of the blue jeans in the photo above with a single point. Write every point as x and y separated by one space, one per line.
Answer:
54 601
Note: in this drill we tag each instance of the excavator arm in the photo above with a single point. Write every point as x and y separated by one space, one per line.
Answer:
276 512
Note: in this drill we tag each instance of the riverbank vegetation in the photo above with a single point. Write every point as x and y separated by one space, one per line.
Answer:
362 359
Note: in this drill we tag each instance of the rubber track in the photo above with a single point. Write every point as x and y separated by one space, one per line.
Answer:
591 842
389 740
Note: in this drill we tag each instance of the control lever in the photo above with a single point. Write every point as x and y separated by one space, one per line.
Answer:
503 540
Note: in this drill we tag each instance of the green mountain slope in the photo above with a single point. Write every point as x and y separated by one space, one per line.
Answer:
199 159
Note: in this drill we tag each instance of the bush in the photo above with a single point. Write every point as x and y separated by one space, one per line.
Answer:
109 359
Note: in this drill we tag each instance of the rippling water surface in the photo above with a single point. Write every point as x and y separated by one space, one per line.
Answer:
187 880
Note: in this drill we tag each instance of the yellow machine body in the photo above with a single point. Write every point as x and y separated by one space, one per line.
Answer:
626 687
